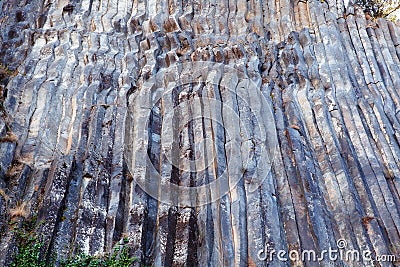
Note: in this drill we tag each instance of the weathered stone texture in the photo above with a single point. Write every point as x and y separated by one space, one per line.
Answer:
332 77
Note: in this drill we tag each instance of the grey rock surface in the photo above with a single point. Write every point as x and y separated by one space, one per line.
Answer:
81 133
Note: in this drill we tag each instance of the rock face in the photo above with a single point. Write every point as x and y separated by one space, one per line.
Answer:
80 129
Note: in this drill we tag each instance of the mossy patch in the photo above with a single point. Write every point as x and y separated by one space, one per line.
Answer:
30 252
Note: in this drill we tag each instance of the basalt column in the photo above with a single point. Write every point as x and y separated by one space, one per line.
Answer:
199 133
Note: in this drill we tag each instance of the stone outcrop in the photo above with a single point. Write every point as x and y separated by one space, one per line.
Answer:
75 134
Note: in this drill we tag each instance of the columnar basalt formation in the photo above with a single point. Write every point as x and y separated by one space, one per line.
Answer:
69 116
